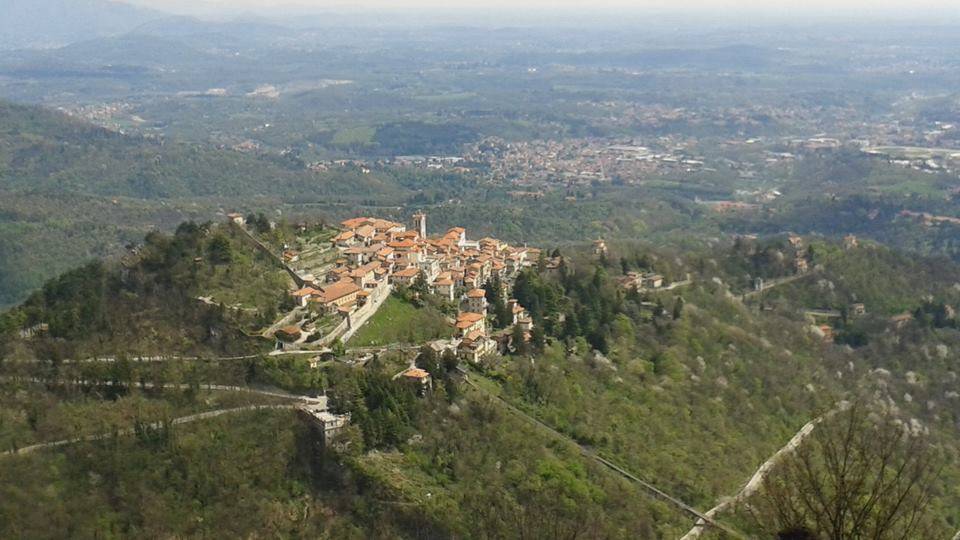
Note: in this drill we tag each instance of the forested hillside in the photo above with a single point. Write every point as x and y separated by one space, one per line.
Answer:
71 192
690 389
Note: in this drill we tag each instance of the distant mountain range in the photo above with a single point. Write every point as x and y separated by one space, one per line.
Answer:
52 23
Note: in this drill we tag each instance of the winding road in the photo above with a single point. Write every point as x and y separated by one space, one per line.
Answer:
176 421
218 387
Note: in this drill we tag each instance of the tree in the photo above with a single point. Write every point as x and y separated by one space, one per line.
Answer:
498 304
862 474
538 338
420 288
428 361
219 250
519 341
449 360
678 308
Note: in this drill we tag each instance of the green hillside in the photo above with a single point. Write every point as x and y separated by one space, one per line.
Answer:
690 395
71 192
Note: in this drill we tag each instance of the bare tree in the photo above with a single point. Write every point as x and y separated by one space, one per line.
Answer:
863 474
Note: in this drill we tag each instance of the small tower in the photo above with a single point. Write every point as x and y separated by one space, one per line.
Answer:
420 224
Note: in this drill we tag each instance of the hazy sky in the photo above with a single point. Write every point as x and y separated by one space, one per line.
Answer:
824 7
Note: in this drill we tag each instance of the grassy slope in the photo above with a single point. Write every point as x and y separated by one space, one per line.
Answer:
398 321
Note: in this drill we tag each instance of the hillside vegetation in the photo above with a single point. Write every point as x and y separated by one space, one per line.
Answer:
690 389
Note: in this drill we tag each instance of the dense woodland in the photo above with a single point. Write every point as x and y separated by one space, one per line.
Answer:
626 374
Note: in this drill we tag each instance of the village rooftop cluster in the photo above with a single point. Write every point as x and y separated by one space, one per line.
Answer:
376 255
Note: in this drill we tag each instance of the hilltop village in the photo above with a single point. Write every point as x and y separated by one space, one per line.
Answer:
375 257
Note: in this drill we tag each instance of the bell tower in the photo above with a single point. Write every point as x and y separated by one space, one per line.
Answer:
420 224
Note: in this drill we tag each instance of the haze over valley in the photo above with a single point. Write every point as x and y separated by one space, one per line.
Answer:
498 271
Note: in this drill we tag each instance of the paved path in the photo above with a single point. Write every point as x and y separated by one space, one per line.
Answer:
675 285
170 358
385 348
125 432
756 481
218 387
650 488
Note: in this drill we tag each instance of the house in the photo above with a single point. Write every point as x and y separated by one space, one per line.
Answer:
355 223
303 296
795 241
858 309
468 322
850 242
288 334
599 247
365 234
418 378
354 255
901 320
327 423
525 323
828 335
475 346
458 235
338 295
800 265
344 239
475 301
652 281
339 273
631 281
430 266
407 276
516 310
365 276
237 219
444 286
290 256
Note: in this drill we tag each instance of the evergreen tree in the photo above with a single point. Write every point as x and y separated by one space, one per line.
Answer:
219 250
678 308
429 361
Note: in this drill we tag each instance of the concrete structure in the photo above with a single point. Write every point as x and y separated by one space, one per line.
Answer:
328 425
